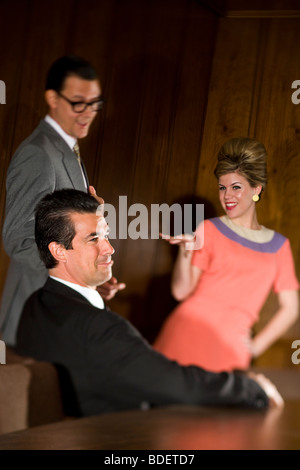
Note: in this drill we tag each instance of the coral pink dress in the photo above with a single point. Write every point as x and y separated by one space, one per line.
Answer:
210 327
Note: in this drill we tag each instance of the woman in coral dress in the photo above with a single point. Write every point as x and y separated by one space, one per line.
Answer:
223 285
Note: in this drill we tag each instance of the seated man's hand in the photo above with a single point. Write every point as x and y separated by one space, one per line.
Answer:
269 388
109 289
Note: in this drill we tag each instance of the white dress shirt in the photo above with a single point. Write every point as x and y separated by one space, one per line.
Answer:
92 295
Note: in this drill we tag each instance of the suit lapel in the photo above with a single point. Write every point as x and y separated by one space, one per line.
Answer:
85 174
72 168
68 158
56 287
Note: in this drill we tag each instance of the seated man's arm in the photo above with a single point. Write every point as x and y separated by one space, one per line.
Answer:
132 373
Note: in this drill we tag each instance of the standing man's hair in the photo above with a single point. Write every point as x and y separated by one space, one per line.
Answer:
53 222
68 66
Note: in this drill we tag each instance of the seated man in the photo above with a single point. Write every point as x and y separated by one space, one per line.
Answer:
105 364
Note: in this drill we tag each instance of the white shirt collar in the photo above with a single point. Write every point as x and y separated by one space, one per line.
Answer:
70 141
92 295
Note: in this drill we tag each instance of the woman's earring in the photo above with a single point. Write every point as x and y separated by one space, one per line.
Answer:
255 197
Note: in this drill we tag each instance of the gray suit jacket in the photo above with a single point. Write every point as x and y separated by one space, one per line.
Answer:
42 163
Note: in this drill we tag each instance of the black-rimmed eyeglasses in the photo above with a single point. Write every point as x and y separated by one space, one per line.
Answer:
81 106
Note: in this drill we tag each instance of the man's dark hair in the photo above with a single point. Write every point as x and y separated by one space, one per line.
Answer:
53 222
68 66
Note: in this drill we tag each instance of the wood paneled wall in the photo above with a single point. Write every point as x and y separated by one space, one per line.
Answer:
178 81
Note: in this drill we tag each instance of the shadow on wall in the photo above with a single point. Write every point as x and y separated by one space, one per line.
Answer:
150 311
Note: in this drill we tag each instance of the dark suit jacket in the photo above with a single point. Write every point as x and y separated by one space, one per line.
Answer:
107 366
42 164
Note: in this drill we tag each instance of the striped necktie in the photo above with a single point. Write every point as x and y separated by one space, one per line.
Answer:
77 153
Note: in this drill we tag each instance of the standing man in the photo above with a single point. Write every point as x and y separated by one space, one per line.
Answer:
46 161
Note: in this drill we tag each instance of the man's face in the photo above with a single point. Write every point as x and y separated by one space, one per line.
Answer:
89 263
75 89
